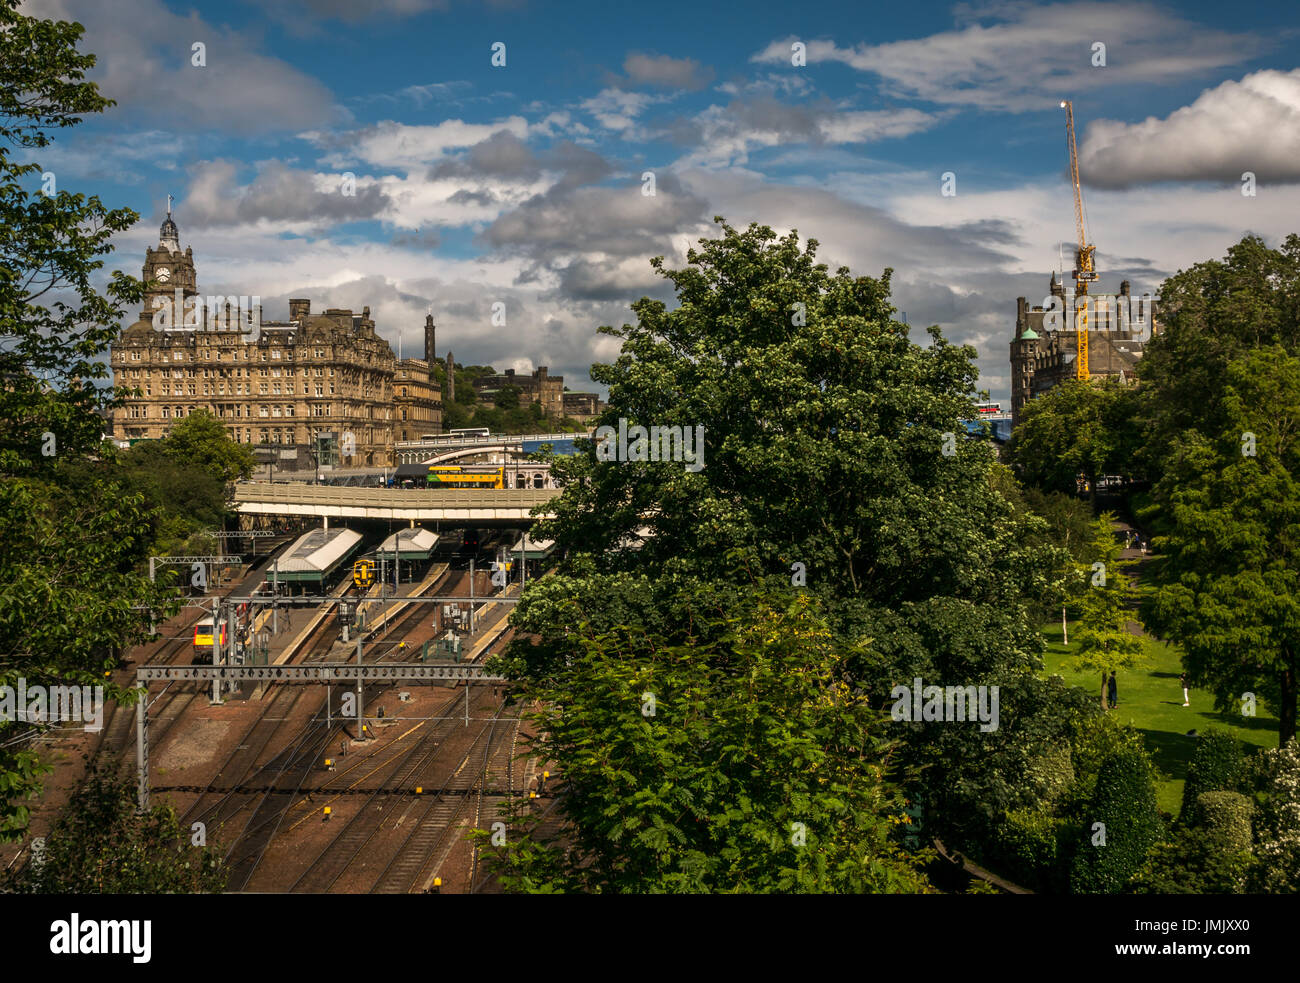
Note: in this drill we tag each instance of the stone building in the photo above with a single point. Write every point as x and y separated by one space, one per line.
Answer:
539 387
314 384
1044 350
582 406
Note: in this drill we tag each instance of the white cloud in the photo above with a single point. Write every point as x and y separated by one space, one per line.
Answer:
1031 55
390 144
144 56
1252 125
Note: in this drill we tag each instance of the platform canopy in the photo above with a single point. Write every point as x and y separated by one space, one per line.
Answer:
409 544
317 554
533 549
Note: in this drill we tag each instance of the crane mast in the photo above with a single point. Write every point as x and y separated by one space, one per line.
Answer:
1083 271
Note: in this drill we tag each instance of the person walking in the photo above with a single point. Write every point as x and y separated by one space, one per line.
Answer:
1183 680
1112 691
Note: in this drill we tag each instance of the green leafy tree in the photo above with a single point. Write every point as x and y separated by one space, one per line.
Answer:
744 764
1211 315
1079 428
1227 581
101 844
1105 643
831 464
200 440
72 537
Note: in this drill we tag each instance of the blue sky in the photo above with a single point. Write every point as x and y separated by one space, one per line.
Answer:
521 184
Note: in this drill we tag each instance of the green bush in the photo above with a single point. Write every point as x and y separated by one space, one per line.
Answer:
1225 818
1124 801
1217 766
1193 863
1029 851
1052 774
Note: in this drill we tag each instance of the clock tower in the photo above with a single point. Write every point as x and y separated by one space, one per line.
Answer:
166 270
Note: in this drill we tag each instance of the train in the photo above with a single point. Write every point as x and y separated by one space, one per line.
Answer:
203 640
465 476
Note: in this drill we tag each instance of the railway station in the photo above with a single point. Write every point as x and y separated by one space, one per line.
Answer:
316 556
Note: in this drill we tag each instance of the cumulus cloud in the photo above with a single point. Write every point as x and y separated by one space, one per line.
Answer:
1021 56
278 196
402 146
144 62
1252 125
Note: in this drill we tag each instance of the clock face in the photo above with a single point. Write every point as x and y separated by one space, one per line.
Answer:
164 274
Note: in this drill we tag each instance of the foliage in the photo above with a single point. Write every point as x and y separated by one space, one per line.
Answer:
1029 848
1211 315
1225 819
1105 643
1052 773
200 441
1228 576
1077 428
1216 766
745 763
1124 800
1277 826
70 544
101 844
1192 863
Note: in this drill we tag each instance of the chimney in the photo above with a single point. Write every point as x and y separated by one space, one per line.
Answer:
299 308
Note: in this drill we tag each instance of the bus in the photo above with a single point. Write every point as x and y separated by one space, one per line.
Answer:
468 432
985 409
203 640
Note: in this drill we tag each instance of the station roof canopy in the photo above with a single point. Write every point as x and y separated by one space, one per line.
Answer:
409 544
316 554
533 549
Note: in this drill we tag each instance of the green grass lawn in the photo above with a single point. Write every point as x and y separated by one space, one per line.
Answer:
1151 699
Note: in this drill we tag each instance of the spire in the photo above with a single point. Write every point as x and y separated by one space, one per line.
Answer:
169 237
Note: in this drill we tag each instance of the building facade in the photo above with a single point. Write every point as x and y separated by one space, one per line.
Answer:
1044 350
296 386
538 387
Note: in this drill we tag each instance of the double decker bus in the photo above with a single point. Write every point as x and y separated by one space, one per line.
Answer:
465 476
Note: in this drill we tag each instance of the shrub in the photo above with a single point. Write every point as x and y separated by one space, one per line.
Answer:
1124 800
1225 819
1052 774
1192 863
1217 766
1029 851
1277 831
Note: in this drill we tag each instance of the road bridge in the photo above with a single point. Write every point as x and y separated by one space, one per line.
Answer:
476 507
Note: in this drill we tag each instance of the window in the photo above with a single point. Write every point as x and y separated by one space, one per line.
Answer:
135 356
263 356
275 353
177 374
288 410
319 390
275 373
177 356
288 390
261 411
331 389
261 389
207 353
275 388
275 410
191 388
320 352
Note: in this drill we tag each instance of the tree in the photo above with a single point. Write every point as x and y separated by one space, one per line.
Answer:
72 538
1278 826
831 465
1216 766
1105 643
507 398
201 440
1228 573
1211 315
745 764
101 844
1077 428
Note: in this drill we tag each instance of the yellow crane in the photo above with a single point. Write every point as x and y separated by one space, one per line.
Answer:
1083 271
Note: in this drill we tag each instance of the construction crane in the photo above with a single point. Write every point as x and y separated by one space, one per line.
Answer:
1083 271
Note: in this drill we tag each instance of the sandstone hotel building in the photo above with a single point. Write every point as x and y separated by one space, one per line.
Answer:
310 388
